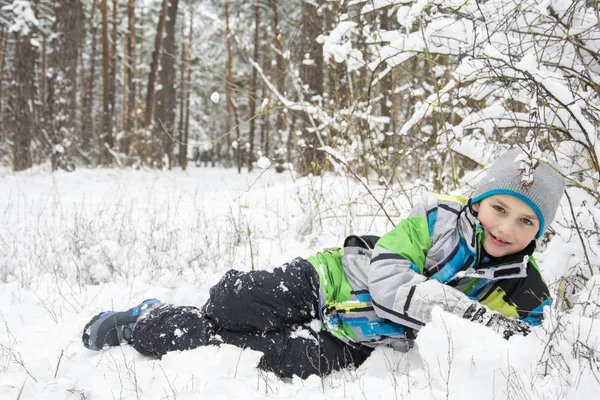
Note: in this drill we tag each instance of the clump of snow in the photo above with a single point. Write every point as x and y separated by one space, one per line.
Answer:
263 162
264 105
406 15
215 97
338 45
23 17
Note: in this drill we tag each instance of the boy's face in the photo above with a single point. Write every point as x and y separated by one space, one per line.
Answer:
509 224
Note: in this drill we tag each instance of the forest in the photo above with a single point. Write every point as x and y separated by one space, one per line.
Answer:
399 89
116 83
390 84
387 90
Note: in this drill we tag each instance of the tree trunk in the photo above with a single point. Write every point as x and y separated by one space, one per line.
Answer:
266 93
238 148
87 123
106 138
338 98
384 163
228 86
253 86
165 98
112 93
154 64
280 74
182 91
43 93
311 75
64 81
131 70
188 86
22 121
124 96
141 120
386 84
2 63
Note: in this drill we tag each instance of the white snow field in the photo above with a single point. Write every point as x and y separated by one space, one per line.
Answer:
72 245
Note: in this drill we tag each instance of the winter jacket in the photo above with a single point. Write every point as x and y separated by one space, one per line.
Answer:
384 292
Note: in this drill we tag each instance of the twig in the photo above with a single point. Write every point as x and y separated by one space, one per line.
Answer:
58 364
578 229
115 155
362 182
21 390
252 266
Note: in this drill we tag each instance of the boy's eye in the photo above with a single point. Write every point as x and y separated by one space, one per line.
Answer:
499 209
526 221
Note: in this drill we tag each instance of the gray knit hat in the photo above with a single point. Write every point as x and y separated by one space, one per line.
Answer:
504 176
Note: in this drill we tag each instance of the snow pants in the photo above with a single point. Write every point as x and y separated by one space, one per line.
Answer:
265 311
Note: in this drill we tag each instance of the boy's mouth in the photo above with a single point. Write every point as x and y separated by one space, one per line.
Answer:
498 242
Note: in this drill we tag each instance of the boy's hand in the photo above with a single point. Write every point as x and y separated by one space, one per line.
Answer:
507 327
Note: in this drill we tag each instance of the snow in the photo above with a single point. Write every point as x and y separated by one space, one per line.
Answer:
337 44
331 151
264 104
72 245
406 15
23 17
263 162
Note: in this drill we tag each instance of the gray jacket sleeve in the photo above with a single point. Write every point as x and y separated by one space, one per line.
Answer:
404 296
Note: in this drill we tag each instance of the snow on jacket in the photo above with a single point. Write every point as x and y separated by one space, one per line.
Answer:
383 291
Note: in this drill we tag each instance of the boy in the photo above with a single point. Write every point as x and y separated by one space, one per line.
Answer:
472 257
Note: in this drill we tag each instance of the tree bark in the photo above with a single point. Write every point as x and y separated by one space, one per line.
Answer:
165 98
228 86
2 63
266 93
238 149
64 81
131 71
112 94
338 96
253 87
188 86
43 90
107 136
281 73
311 75
154 64
87 123
182 93
23 90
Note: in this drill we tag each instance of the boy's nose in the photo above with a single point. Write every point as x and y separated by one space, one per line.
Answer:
505 228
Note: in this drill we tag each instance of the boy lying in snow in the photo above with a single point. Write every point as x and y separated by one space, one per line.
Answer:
472 257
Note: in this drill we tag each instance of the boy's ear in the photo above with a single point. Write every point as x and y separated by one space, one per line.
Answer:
475 207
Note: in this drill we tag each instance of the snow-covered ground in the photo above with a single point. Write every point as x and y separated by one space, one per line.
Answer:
72 245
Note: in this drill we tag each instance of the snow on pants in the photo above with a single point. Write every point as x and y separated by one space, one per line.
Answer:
265 311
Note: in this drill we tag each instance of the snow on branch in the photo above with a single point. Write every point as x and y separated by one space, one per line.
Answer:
23 17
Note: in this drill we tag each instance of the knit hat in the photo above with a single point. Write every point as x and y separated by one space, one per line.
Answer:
504 176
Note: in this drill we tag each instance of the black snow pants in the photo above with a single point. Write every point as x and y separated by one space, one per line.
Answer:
265 311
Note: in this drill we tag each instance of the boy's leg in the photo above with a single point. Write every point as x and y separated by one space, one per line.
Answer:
265 301
169 328
291 351
298 351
